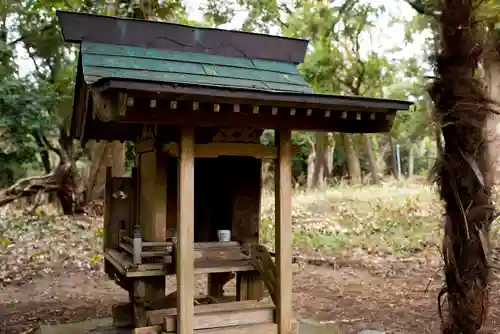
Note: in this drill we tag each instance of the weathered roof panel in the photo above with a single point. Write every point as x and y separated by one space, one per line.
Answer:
79 27
138 63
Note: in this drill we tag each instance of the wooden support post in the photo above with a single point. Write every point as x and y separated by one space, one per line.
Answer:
134 200
108 202
216 283
255 286
153 196
249 286
152 205
283 198
185 231
241 286
138 297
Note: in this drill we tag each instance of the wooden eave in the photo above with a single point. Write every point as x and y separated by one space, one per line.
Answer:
259 97
173 105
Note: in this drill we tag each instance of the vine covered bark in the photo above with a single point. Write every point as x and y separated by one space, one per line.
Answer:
464 178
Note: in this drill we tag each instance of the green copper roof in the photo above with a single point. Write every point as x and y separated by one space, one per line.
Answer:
158 65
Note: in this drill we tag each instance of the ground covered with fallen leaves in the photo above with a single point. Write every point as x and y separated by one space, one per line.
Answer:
368 258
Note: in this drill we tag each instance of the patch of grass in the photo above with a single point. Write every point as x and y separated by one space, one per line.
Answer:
393 219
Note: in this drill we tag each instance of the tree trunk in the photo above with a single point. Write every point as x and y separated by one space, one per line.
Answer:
437 129
96 173
71 190
329 158
310 164
492 79
411 160
103 155
371 159
44 153
321 148
381 163
394 159
352 159
464 180
44 156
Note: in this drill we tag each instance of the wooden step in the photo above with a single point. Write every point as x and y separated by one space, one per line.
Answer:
240 313
247 329
156 315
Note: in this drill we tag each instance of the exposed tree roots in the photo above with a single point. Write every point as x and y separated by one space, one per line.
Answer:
462 109
61 180
31 186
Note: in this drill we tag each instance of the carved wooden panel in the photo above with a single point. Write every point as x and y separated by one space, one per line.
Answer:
245 198
241 135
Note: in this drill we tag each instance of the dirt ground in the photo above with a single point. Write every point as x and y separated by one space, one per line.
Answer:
395 297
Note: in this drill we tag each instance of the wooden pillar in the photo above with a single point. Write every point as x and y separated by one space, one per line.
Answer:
152 207
283 241
185 235
245 190
153 195
108 202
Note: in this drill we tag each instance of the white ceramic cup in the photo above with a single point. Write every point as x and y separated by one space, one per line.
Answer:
224 235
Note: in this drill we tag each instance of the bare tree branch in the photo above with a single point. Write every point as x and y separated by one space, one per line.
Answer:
312 146
31 33
30 54
422 9
48 145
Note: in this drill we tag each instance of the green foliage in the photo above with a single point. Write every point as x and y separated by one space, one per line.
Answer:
23 116
24 108
215 14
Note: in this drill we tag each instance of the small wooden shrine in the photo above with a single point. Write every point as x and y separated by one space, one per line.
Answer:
195 102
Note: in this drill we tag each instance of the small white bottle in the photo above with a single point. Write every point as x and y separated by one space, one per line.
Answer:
137 245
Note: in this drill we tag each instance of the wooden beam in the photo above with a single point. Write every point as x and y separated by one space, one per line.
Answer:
123 264
214 150
283 241
185 230
303 119
261 260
